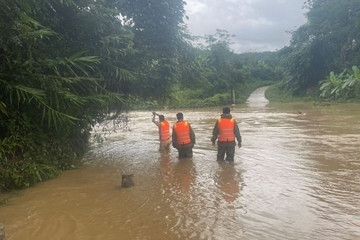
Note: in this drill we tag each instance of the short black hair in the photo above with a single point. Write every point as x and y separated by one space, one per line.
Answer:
179 116
161 117
226 110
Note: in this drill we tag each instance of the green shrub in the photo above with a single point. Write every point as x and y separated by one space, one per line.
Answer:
25 173
341 86
29 156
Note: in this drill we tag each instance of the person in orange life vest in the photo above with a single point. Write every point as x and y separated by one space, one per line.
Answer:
164 131
183 137
226 130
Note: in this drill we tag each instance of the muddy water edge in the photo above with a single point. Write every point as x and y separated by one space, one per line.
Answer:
297 176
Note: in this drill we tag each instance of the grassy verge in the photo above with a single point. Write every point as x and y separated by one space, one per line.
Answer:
197 98
277 93
189 98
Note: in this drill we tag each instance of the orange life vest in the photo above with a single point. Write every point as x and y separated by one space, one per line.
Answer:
164 130
226 129
182 130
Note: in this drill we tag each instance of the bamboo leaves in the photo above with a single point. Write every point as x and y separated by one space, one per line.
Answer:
30 29
58 86
3 108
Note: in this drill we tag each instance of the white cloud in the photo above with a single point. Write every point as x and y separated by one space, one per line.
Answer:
259 25
195 7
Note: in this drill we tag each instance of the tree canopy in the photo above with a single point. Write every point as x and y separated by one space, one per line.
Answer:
65 64
329 41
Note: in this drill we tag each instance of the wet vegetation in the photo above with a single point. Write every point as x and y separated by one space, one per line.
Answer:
65 65
328 42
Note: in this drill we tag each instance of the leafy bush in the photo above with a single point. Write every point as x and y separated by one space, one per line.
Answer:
22 174
26 159
341 86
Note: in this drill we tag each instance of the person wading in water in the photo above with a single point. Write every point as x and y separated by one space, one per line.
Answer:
164 131
227 130
183 137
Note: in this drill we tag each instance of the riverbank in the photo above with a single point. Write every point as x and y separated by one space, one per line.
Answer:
277 93
196 98
193 98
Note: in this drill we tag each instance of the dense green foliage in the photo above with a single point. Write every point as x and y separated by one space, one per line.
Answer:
329 41
51 87
345 85
64 65
215 72
158 42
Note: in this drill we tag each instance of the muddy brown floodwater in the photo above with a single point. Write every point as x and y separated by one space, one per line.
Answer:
297 176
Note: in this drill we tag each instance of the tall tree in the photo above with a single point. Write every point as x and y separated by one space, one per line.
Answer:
221 58
159 42
157 24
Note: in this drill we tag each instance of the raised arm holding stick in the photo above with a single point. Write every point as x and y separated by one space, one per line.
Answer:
164 131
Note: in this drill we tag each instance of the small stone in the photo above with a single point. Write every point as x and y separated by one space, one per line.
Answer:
127 180
2 232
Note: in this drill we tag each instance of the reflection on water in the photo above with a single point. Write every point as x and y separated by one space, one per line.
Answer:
296 176
228 181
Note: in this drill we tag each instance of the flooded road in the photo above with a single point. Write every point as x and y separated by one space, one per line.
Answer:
297 176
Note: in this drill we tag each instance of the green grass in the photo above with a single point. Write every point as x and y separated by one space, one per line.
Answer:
277 93
196 98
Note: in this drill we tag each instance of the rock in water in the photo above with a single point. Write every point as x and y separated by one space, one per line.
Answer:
127 181
2 232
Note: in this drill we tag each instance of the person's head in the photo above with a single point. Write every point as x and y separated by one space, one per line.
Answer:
180 116
226 110
161 117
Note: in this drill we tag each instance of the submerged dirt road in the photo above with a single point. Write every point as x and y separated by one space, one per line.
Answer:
296 176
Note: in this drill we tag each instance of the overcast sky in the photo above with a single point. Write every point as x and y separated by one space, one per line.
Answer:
259 25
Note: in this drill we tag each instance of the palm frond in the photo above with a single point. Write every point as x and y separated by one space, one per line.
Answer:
29 28
24 94
3 108
56 118
124 75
